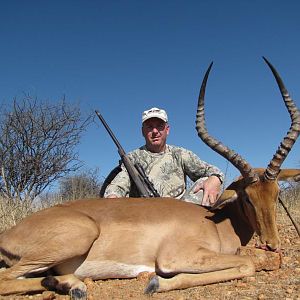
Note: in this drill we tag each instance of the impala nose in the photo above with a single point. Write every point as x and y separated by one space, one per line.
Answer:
275 247
271 247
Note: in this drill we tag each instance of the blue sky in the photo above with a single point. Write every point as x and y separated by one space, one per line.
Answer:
122 57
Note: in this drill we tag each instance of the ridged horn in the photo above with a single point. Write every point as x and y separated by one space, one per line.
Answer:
241 164
288 141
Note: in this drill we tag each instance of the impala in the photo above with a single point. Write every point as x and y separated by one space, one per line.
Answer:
184 244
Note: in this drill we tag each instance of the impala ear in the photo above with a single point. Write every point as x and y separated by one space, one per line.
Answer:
289 175
226 197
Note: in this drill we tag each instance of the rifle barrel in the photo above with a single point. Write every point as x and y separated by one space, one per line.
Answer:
110 133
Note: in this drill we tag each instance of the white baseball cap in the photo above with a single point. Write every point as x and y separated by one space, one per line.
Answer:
154 113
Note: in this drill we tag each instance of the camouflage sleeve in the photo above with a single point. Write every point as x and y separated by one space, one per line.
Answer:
120 185
196 168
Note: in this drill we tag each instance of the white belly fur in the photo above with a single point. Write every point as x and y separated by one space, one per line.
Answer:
110 269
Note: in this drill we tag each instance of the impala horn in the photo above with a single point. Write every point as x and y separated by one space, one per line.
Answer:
288 141
241 164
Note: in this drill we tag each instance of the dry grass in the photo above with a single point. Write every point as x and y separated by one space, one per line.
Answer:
12 212
291 198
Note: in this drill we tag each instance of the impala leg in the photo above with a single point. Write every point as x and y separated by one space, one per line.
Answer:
19 286
9 284
64 284
65 251
205 267
67 284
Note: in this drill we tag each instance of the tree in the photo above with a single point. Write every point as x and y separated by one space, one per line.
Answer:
85 184
37 146
290 193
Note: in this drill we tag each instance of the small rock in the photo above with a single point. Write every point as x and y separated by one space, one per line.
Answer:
297 270
250 279
263 260
89 283
286 259
48 295
261 297
241 284
145 276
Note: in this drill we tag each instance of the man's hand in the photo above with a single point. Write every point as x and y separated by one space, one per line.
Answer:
111 196
211 189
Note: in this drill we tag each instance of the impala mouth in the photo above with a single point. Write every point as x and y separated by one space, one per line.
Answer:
267 247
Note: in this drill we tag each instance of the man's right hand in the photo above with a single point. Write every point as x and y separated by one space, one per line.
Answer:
112 196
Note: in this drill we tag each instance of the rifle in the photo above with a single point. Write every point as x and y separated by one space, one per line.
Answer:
136 172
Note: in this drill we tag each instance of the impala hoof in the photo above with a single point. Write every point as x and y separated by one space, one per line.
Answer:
52 284
153 285
77 294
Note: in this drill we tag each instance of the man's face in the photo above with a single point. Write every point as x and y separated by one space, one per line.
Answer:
155 132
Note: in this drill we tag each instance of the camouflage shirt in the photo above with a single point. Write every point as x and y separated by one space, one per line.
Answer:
168 171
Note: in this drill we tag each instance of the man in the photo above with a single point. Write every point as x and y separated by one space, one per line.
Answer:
168 167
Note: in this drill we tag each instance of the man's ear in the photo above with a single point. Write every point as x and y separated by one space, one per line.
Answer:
226 197
168 128
289 175
142 129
